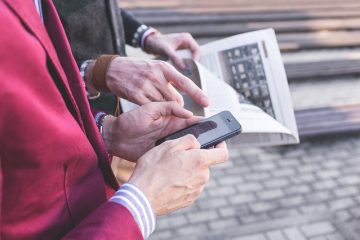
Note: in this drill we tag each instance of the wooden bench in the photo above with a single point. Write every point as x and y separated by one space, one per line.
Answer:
312 70
179 18
319 122
304 25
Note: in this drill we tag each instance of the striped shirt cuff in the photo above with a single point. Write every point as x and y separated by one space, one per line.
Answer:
137 203
83 68
145 35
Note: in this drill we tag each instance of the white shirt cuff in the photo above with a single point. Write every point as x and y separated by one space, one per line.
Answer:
139 206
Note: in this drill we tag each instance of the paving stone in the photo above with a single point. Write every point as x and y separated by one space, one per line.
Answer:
349 180
242 198
309 168
316 197
295 152
297 189
266 166
224 223
275 235
291 201
282 213
294 234
238 170
286 172
351 169
230 180
262 207
334 236
271 194
328 174
277 183
346 192
202 216
340 204
355 212
314 208
319 238
289 163
233 211
223 191
325 184
212 203
257 176
162 235
176 221
251 237
254 218
332 164
343 215
316 229
340 153
303 178
249 187
192 229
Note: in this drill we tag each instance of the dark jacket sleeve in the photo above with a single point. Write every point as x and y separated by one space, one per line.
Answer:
131 24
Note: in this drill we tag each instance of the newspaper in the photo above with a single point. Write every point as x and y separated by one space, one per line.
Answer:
245 75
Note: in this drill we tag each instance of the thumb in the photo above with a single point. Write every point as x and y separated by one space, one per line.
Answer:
173 109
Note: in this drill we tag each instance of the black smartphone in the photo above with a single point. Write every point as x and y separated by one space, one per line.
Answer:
210 131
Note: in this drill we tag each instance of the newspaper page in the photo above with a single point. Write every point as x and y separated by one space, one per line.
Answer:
258 128
251 64
245 75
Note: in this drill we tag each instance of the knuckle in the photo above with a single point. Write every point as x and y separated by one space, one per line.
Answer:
194 143
204 178
185 34
170 143
150 75
201 162
160 64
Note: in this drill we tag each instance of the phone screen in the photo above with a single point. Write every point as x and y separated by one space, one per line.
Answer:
212 128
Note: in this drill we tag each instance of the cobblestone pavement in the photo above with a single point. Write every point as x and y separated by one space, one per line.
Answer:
261 185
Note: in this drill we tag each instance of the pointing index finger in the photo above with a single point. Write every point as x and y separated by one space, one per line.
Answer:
187 85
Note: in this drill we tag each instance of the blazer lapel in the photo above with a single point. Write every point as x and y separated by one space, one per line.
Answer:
25 11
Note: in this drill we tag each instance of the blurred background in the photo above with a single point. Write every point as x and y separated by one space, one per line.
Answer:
307 191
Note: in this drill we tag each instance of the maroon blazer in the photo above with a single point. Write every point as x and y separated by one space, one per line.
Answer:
54 166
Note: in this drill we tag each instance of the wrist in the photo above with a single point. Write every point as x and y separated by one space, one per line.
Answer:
100 71
92 92
106 128
148 39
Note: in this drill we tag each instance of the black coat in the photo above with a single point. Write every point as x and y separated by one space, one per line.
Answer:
96 27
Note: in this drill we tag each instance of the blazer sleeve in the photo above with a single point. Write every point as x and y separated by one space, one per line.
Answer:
103 224
131 24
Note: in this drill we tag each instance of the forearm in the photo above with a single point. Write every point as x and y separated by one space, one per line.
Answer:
127 214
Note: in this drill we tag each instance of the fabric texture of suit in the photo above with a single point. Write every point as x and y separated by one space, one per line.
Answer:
96 27
54 165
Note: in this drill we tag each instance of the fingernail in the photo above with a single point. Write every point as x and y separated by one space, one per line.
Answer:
205 101
190 112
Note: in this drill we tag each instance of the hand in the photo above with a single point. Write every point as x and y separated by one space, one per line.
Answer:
143 81
167 44
173 174
133 133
